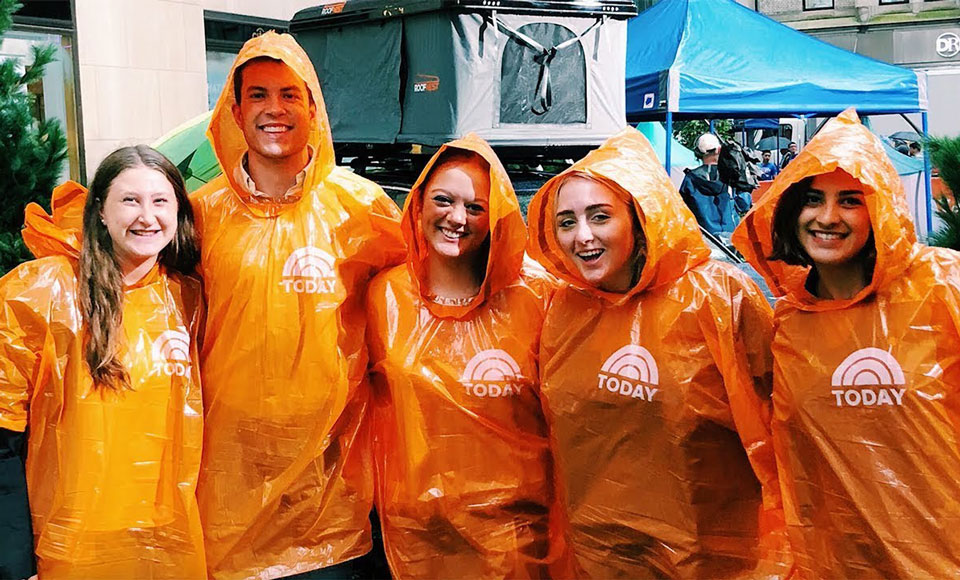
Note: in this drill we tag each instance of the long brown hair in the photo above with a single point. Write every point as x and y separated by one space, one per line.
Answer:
101 280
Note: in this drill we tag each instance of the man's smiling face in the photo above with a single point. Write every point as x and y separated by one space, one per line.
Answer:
275 112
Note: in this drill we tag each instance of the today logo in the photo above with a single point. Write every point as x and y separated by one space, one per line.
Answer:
171 353
630 372
492 373
309 270
874 375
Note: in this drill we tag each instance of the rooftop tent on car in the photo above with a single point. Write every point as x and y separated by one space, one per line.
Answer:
516 72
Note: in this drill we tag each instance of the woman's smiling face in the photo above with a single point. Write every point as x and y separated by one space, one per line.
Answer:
595 228
834 224
455 217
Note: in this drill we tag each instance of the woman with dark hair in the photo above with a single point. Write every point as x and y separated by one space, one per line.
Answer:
461 453
865 420
655 376
99 368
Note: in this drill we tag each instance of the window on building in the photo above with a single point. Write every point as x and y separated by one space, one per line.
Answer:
884 2
225 35
817 4
521 75
50 22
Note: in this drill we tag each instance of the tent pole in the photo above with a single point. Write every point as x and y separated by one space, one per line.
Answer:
711 126
912 124
666 156
927 182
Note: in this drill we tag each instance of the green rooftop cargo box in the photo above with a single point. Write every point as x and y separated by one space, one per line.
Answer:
516 72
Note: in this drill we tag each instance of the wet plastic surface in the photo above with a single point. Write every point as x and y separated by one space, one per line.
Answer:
658 398
463 466
111 475
865 402
286 486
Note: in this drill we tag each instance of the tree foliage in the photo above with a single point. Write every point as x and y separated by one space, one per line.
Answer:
686 132
945 155
31 152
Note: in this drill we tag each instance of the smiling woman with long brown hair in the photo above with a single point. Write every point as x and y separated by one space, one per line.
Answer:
99 363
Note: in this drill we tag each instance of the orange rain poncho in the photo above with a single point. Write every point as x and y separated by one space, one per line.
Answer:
463 465
111 475
865 421
285 486
657 398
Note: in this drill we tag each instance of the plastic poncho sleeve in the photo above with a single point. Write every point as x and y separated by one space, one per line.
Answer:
385 247
743 354
23 333
741 331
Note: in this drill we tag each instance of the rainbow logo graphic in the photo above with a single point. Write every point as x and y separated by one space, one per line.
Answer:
633 362
631 372
171 353
492 373
869 377
309 270
868 367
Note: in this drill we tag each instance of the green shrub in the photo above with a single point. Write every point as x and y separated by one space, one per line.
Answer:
31 153
945 156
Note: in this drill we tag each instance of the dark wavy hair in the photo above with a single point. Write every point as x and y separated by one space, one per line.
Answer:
101 280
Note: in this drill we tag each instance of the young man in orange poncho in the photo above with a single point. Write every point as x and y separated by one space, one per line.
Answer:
289 242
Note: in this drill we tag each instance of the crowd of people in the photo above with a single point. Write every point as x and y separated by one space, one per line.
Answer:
226 385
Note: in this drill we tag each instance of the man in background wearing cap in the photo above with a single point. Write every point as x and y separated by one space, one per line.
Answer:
704 193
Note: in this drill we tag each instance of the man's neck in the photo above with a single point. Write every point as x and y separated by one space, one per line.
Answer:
274 177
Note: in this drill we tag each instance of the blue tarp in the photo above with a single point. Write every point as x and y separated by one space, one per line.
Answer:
657 136
701 58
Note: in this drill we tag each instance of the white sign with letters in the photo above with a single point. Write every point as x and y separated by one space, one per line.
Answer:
948 44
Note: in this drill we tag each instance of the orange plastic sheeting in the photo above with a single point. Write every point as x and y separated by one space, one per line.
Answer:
865 401
463 465
658 398
285 486
111 476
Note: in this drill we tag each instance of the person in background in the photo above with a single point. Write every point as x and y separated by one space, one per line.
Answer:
708 198
788 155
290 242
915 150
655 377
463 462
100 367
768 169
866 365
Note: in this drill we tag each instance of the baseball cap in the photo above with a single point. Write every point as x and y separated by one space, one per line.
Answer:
707 142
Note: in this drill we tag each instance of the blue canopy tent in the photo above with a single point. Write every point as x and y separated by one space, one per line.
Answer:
681 157
699 59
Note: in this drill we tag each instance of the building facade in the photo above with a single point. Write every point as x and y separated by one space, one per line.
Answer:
130 71
923 35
